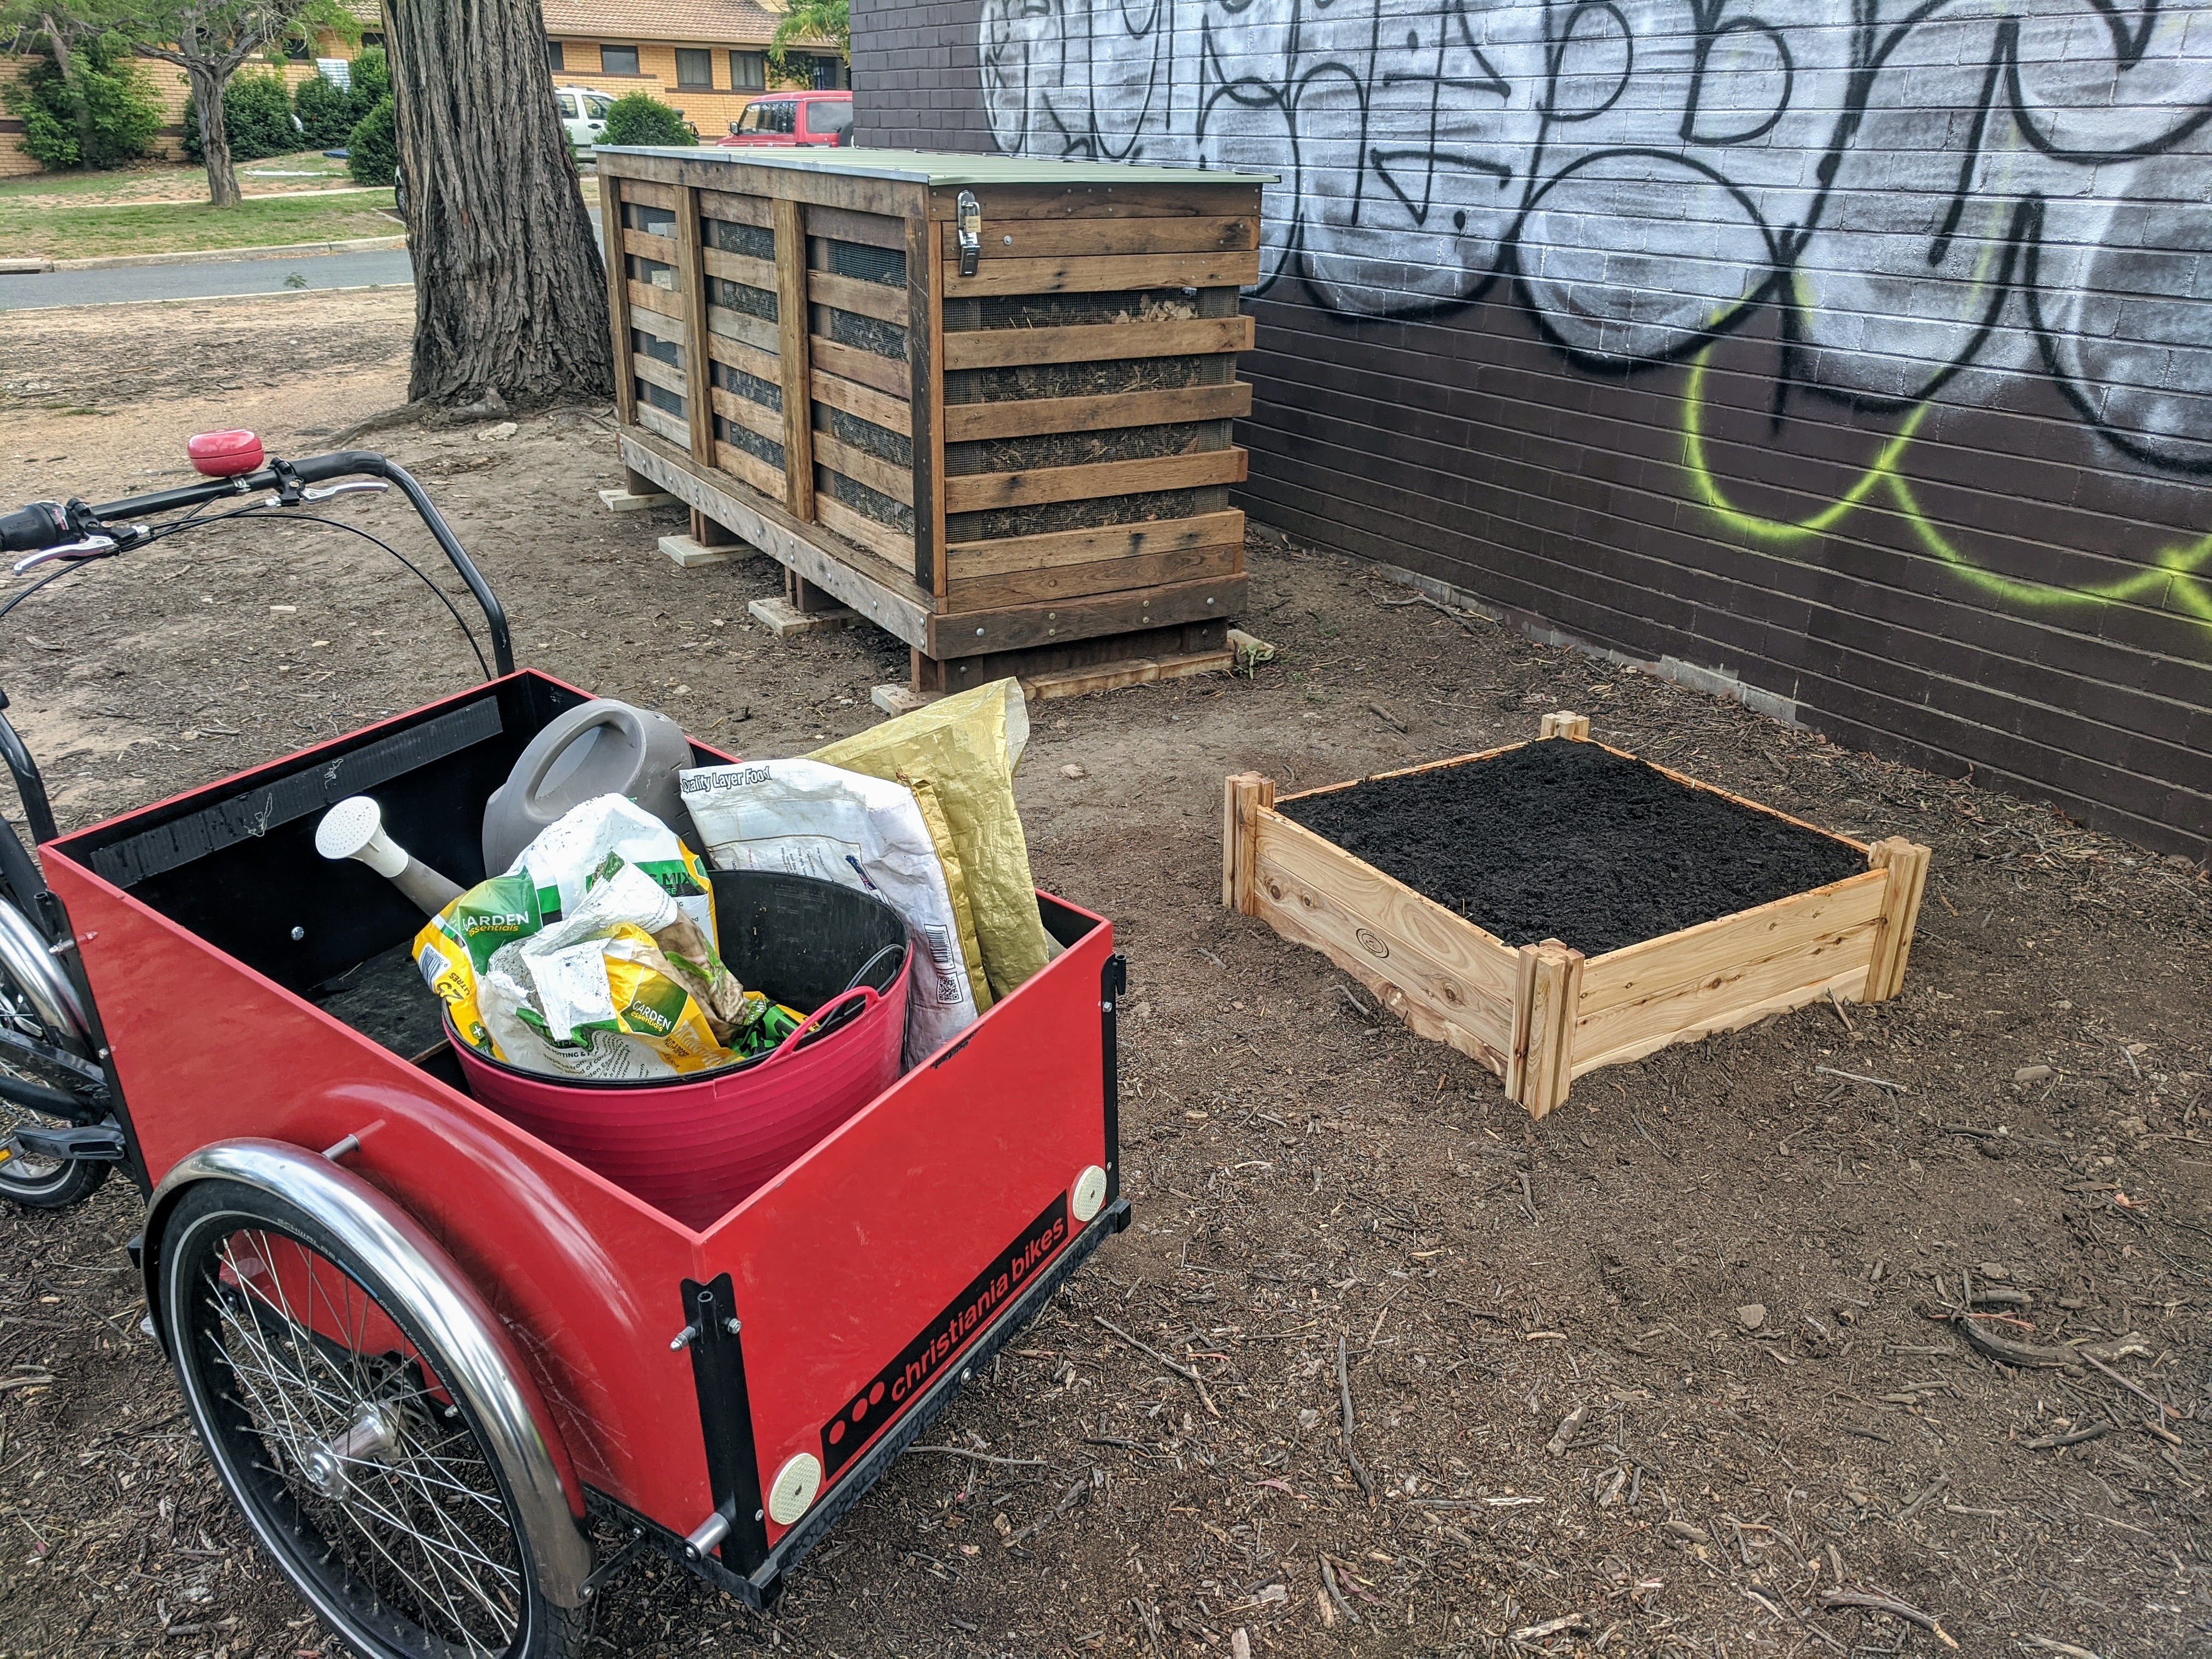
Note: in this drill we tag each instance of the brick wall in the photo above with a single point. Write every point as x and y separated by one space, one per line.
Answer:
1868 367
171 90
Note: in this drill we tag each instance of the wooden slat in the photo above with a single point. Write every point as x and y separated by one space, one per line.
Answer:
661 302
755 332
712 168
870 229
692 284
667 376
886 374
1056 239
1405 772
863 531
668 426
760 365
791 334
1072 581
1202 197
1244 796
883 593
644 244
645 194
1087 343
1098 276
745 412
876 300
611 227
879 475
1548 984
889 413
1384 934
978 492
971 560
1905 864
1029 416
736 209
744 464
1061 622
741 268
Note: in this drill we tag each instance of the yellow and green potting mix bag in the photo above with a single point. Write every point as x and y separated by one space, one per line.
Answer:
965 748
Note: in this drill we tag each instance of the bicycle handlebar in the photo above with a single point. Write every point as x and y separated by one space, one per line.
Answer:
45 524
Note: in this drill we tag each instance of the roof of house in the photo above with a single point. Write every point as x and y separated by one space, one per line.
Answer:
745 22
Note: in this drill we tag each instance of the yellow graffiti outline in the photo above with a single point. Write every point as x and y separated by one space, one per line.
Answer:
2178 570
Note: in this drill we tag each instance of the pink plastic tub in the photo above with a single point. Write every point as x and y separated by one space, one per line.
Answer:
696 1149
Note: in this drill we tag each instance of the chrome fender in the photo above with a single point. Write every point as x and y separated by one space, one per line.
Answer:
482 1362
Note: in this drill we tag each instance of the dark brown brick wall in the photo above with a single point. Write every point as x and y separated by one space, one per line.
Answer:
1899 410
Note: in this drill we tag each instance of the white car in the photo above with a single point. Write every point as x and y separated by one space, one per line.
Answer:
584 112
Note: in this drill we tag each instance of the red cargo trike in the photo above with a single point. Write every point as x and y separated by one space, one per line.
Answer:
424 1349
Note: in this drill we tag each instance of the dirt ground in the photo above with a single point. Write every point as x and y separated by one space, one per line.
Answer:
1658 1375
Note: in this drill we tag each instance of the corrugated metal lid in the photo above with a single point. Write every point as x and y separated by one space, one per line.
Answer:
935 168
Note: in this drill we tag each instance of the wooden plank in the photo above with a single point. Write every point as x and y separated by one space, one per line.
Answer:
745 412
1906 866
980 491
661 302
1741 800
646 246
744 464
791 333
1014 628
878 300
668 426
883 594
1072 582
1077 274
1445 978
879 475
1087 343
886 375
691 285
1565 724
741 268
889 413
1025 418
924 337
1407 771
1051 238
1202 197
760 365
1546 985
734 209
645 194
1058 682
974 560
864 531
758 332
611 227
843 225
1244 796
667 376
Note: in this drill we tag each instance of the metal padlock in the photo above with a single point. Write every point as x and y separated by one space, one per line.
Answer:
971 232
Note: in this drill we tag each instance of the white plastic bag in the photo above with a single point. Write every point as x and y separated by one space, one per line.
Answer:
810 819
568 854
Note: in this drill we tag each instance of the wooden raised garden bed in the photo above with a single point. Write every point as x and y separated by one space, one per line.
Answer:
1022 470
1650 865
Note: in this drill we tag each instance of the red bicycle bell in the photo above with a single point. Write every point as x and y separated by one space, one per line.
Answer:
224 455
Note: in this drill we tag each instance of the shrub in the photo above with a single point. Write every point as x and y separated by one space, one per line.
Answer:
111 89
327 113
256 113
371 80
372 147
639 118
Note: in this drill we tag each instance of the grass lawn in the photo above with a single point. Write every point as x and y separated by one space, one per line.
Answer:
75 230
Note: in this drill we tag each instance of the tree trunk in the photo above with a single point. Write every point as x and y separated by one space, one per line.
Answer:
65 61
510 295
214 137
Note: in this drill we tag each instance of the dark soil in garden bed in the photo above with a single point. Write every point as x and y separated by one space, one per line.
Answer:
1567 841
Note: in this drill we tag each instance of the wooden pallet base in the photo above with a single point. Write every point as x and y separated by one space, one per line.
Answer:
687 552
1544 1014
786 621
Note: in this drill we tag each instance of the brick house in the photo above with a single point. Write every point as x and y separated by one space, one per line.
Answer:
706 57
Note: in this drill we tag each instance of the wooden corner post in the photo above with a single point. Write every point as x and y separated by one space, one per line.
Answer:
698 372
1565 724
797 352
611 222
1245 795
1907 865
1548 994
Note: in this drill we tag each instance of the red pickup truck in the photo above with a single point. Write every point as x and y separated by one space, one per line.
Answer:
786 118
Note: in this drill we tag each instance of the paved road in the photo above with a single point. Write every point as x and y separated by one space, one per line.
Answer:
114 287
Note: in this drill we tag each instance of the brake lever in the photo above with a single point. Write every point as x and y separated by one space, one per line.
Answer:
358 486
92 547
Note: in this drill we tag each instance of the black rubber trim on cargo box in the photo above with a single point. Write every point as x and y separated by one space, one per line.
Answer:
249 817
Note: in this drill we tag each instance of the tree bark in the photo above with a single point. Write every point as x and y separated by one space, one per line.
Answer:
215 136
58 40
510 295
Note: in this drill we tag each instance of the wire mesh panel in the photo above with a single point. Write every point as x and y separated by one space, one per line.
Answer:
857 316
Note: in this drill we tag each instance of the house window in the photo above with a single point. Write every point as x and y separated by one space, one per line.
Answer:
748 71
695 68
553 60
825 73
617 60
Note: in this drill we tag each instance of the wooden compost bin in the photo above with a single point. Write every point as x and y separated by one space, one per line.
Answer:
1023 471
1541 1016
